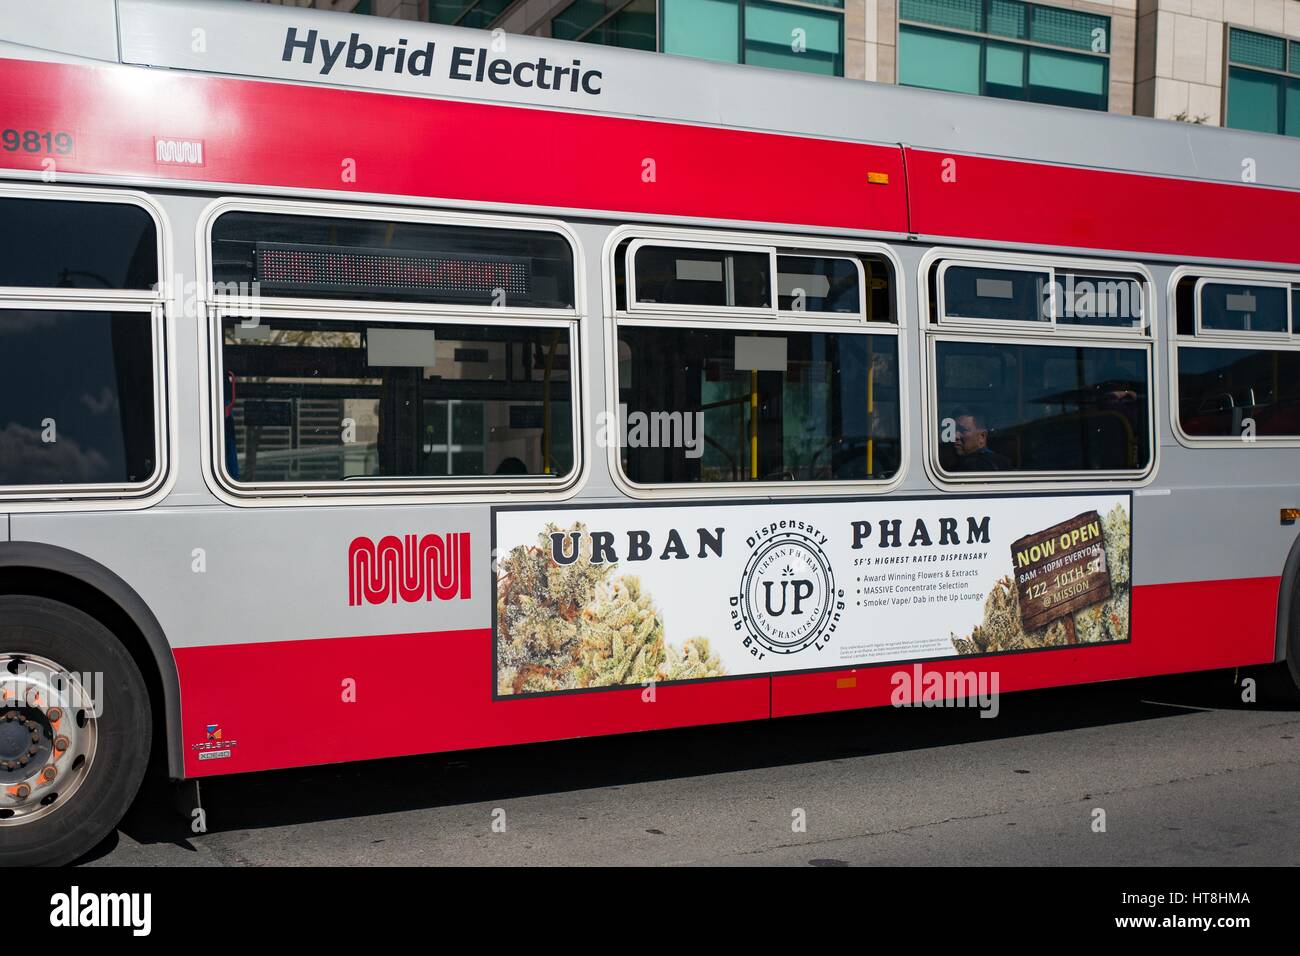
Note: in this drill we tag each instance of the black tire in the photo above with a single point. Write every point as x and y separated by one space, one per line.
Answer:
80 644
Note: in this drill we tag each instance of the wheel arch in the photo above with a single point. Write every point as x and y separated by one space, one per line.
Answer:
44 570
1287 597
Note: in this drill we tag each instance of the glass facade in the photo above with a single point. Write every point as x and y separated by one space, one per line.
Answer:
1060 57
805 36
466 13
610 22
1263 83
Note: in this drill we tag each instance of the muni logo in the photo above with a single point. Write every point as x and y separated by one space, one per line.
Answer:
410 568
178 152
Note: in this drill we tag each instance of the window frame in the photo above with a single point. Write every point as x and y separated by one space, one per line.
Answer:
1024 43
672 308
1229 64
1224 339
416 489
1053 268
738 312
764 320
1038 333
1198 312
158 305
970 322
810 5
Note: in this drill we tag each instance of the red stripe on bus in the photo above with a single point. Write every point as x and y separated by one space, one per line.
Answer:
980 198
302 137
286 704
1174 627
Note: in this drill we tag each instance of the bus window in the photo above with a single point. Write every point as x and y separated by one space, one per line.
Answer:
1238 355
819 284
1224 392
76 397
348 400
715 405
1008 407
718 278
1108 301
1244 307
61 244
1002 294
276 255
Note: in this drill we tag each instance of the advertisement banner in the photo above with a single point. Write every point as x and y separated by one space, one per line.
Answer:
626 595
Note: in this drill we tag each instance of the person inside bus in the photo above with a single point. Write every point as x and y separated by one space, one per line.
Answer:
512 466
971 444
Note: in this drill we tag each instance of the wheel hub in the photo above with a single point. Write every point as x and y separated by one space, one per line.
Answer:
48 733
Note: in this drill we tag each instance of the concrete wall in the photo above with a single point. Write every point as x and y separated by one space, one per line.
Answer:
1182 51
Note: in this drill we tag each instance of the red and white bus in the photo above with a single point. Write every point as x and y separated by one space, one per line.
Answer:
371 388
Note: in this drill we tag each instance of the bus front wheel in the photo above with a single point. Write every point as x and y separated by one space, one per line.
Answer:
75 731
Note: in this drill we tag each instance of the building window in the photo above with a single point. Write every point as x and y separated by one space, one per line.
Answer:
1060 57
804 36
1263 83
466 13
632 24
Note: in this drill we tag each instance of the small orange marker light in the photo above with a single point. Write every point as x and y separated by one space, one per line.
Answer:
878 179
844 683
1289 515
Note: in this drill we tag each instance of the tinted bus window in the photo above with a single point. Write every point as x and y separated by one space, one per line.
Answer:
1113 302
318 257
55 244
707 405
76 398
1233 307
1225 392
315 401
719 278
977 292
818 284
1041 408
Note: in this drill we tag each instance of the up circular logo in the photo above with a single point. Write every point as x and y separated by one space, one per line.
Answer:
786 600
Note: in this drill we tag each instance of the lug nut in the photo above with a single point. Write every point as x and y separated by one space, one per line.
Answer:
60 742
23 791
22 761
33 750
49 773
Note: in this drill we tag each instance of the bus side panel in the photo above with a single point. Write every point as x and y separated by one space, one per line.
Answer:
360 698
297 137
1063 206
1174 630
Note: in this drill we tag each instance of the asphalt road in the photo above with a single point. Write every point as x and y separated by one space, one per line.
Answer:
1185 772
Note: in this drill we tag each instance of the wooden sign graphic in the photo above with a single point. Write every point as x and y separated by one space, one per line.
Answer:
1060 570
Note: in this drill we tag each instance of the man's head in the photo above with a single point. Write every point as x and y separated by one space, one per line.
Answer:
971 432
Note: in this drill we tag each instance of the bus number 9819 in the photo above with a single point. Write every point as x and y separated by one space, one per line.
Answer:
36 141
